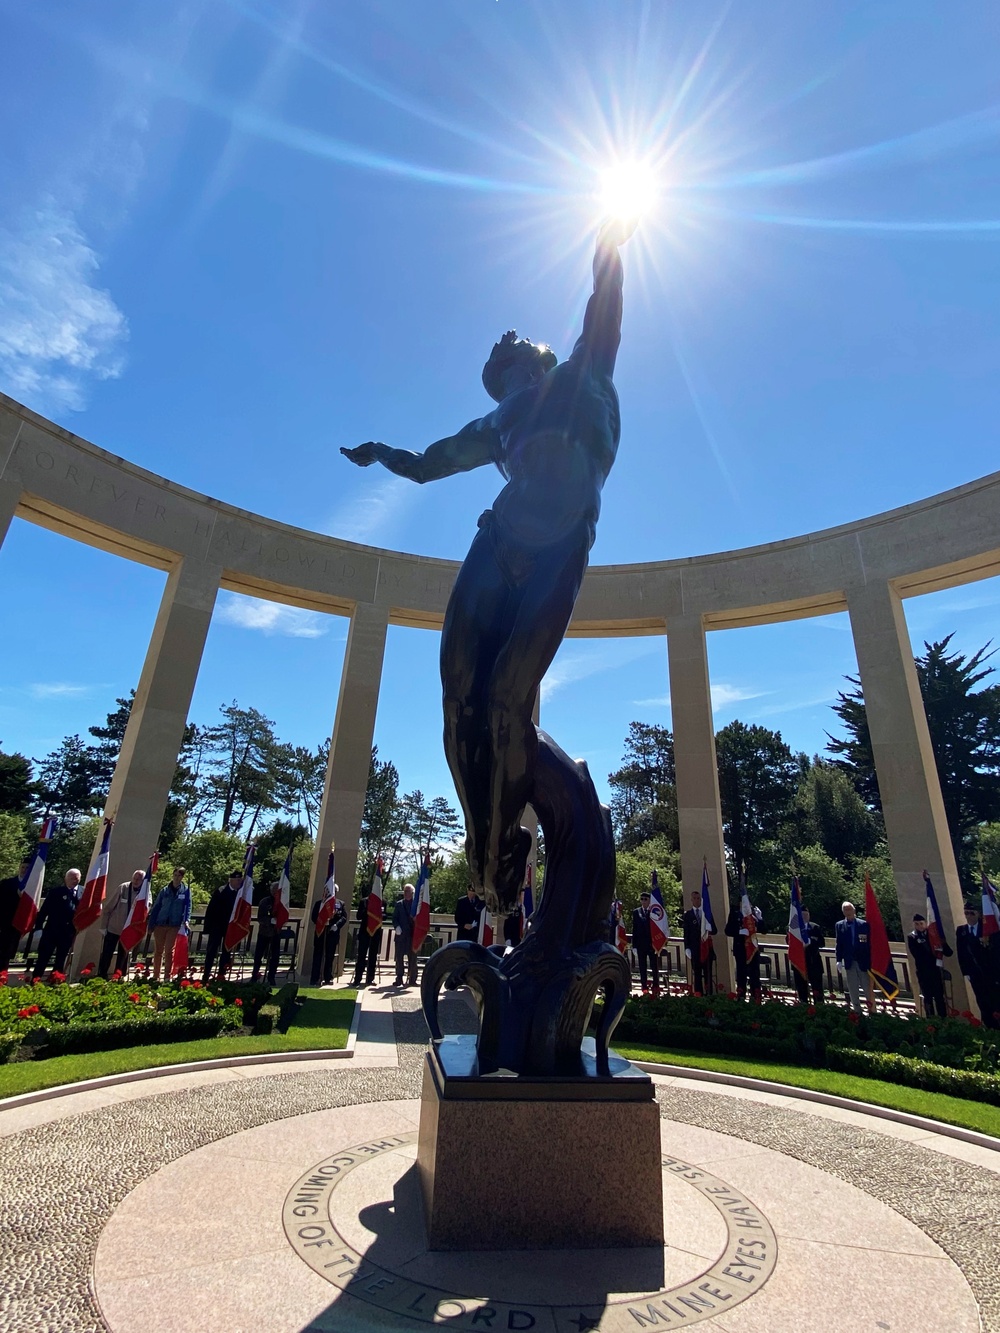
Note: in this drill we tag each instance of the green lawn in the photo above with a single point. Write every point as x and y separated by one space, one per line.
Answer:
322 1024
934 1105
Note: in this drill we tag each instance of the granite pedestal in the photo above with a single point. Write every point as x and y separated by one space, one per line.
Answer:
580 1156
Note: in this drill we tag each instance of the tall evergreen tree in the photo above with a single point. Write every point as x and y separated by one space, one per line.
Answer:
758 776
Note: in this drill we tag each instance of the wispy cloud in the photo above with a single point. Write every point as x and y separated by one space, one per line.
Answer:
58 329
58 689
722 696
271 617
369 518
570 667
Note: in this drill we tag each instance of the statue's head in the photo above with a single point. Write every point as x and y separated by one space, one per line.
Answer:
515 363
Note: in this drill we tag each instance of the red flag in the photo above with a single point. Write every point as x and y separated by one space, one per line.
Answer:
88 909
882 970
328 903
797 933
135 923
374 910
422 904
285 892
242 914
179 962
31 885
657 916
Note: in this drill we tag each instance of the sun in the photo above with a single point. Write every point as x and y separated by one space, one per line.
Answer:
627 190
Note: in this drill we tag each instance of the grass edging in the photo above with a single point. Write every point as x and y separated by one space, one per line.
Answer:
345 1052
946 1128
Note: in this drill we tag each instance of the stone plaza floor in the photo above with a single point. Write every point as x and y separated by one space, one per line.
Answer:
282 1197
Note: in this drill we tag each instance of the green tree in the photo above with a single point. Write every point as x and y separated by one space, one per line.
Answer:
758 777
17 791
207 856
15 842
643 789
987 847
828 810
72 847
246 764
964 726
381 822
69 783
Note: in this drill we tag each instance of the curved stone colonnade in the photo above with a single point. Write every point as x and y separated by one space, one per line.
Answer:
60 481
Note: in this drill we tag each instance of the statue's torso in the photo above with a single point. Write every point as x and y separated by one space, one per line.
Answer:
558 441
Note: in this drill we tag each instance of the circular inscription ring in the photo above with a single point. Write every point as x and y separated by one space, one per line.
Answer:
746 1262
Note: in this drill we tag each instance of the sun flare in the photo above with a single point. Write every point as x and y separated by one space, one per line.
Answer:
627 190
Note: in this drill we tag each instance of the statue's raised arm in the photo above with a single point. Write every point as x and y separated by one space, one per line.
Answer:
602 323
473 446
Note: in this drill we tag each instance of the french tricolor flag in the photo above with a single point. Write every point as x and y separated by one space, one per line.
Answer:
242 913
88 909
284 896
935 926
373 913
485 928
657 916
707 919
135 923
991 909
422 904
328 905
31 885
796 936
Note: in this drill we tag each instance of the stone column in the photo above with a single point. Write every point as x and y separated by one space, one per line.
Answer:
915 822
10 494
348 768
145 769
699 813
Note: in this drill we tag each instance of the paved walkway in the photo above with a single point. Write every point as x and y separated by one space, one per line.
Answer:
157 1205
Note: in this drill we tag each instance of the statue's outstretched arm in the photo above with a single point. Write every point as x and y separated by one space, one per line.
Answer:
473 446
602 323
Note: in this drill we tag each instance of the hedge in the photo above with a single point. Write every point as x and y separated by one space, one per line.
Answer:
923 1074
9 1042
77 1038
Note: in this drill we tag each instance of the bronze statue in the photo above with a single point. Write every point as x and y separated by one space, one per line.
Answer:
553 436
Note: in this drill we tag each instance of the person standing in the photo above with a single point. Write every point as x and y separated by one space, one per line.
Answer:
55 921
268 941
217 915
747 969
691 927
929 965
327 945
512 928
367 948
642 943
973 962
171 910
10 896
854 954
467 911
813 980
115 915
402 929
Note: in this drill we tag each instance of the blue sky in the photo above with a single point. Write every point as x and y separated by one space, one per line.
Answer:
237 234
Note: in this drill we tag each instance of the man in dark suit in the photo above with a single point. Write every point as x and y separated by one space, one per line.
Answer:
930 967
747 969
10 896
217 914
813 980
973 961
402 929
467 911
367 947
642 943
691 924
55 921
854 954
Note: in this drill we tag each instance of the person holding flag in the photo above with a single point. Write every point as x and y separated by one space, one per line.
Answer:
742 930
814 962
617 931
467 911
88 909
268 935
137 921
973 960
115 916
882 969
30 883
216 923
10 894
642 943
55 920
171 911
369 936
854 955
796 938
242 915
698 927
422 904
404 924
329 916
485 928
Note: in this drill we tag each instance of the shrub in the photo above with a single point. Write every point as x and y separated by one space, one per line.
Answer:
9 1043
140 1030
924 1074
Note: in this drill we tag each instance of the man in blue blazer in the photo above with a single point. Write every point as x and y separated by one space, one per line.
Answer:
854 954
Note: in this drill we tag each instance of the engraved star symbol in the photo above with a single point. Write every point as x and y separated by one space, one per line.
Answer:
585 1323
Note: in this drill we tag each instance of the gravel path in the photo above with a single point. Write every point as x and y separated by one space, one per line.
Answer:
60 1182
